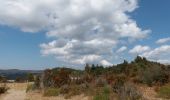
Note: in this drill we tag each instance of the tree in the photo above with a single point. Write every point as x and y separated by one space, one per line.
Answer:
30 77
138 59
87 68
37 81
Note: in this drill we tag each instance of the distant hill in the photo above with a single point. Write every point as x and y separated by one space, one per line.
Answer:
12 74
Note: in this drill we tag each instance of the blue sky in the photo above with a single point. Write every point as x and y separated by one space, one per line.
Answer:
41 38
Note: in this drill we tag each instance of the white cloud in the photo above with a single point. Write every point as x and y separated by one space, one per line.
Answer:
163 40
160 54
164 61
105 63
80 28
85 59
139 49
122 49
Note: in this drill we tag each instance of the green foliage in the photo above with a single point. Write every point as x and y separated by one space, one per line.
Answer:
106 89
37 81
87 68
51 92
164 91
19 79
152 75
30 77
103 95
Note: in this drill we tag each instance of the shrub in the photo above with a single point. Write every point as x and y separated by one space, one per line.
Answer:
100 82
51 92
3 89
131 92
31 87
64 89
103 95
90 90
119 83
164 91
37 82
157 75
106 90
30 77
74 90
127 91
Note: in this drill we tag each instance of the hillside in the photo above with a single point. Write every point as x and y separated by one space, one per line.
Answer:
125 81
12 74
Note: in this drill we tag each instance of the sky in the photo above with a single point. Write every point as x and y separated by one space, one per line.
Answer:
51 33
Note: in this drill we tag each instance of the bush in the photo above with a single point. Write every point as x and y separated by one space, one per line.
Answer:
74 90
164 91
31 87
131 92
100 82
127 91
3 89
64 89
30 77
37 82
157 75
119 83
103 95
51 92
106 90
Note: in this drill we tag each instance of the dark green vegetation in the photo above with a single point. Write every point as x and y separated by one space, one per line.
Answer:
164 91
3 89
51 92
105 83
15 74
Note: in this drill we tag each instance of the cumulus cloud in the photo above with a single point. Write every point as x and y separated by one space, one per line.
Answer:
83 30
160 54
105 63
138 49
122 49
163 40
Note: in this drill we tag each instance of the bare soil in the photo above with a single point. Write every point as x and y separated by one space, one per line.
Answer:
17 91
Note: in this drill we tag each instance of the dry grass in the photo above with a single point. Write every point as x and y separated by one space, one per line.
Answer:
39 96
149 93
17 86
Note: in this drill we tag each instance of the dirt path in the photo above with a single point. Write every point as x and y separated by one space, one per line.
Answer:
15 95
17 91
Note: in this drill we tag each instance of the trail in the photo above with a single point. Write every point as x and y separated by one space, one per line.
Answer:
15 95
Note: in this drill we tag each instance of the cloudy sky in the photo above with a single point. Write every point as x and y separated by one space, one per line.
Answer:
38 34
